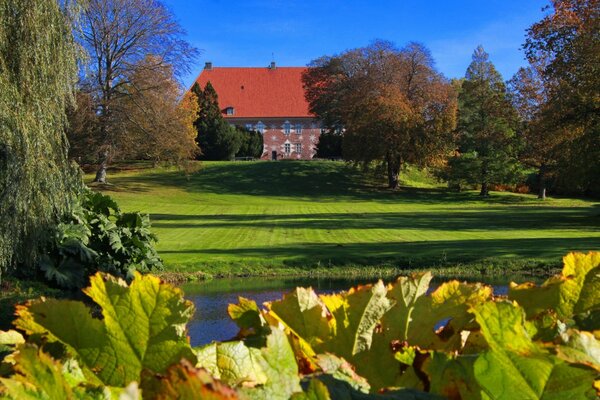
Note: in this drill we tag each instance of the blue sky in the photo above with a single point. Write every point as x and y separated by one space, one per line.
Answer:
252 32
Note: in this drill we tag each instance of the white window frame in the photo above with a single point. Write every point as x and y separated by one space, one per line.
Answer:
287 127
287 148
298 128
298 147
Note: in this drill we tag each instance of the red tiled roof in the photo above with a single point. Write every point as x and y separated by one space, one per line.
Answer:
258 92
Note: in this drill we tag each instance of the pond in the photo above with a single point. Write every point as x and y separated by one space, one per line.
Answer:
211 298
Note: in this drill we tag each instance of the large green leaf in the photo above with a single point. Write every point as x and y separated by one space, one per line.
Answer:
516 367
414 320
38 376
575 291
271 372
339 323
143 327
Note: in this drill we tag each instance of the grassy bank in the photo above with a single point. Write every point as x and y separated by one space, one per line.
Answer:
303 218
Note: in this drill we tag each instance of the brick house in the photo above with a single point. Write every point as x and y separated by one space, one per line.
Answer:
271 101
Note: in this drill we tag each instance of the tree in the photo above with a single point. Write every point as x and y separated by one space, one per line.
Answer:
486 126
82 129
38 71
566 44
118 35
395 107
330 144
542 139
251 143
217 139
157 116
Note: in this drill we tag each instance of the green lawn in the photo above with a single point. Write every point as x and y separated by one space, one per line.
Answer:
253 217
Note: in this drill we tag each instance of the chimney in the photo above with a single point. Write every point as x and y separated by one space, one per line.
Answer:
208 66
272 66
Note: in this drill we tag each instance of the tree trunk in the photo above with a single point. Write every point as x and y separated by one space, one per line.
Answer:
393 167
542 183
485 190
101 172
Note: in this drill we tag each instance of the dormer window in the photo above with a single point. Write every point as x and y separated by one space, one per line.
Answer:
287 127
260 127
299 129
229 111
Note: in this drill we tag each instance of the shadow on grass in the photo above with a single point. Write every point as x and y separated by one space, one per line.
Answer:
488 219
323 181
407 254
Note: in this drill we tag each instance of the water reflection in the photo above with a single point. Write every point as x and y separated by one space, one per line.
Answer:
211 298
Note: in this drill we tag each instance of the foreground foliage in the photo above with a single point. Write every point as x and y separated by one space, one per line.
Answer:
458 341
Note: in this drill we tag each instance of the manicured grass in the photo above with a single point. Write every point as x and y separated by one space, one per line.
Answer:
289 217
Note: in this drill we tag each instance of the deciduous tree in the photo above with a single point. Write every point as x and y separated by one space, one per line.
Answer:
156 115
566 44
395 107
119 35
38 71
541 138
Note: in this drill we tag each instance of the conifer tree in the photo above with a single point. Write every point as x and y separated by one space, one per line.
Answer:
486 127
37 73
217 139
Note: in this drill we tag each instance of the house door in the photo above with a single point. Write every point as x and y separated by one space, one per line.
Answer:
273 155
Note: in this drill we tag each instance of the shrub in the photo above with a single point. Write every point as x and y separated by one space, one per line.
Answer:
97 236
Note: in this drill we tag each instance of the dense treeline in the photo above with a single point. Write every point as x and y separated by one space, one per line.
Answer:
542 122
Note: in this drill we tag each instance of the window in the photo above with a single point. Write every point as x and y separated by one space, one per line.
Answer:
260 127
249 127
288 148
287 128
299 129
298 147
229 111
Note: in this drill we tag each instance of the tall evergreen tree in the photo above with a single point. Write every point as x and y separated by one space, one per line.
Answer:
486 127
251 143
217 139
38 71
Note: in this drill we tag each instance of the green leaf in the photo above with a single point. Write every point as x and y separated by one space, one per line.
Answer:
356 314
232 362
279 365
575 291
37 376
516 367
316 391
340 390
342 370
580 348
248 318
143 327
270 372
11 338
